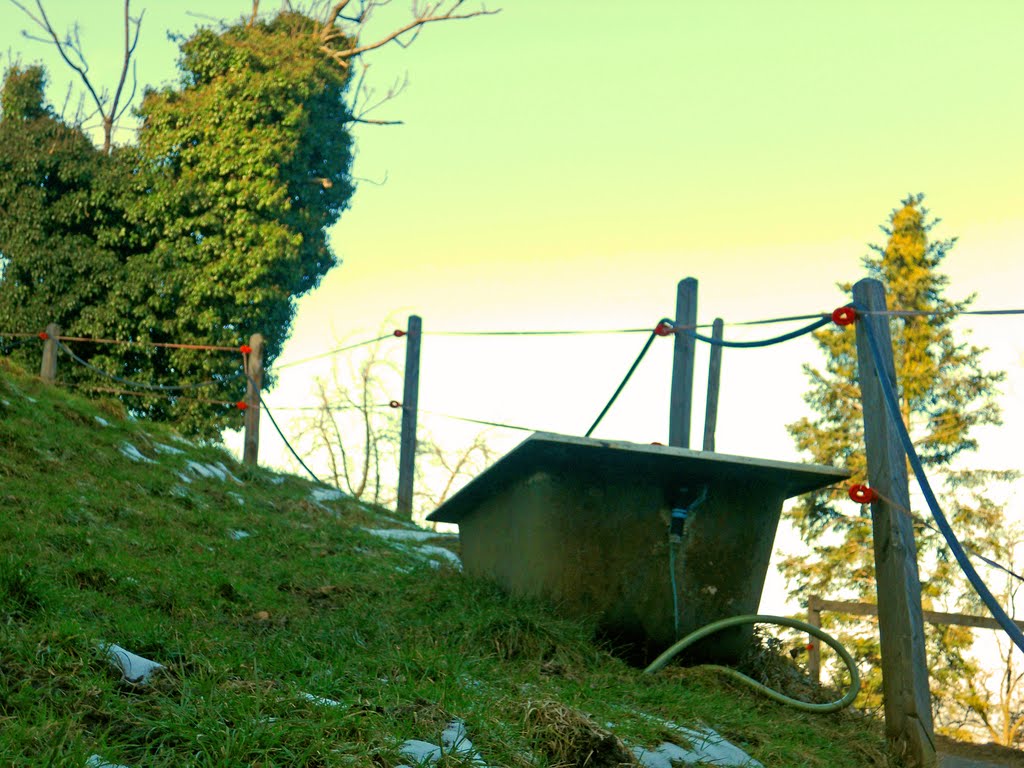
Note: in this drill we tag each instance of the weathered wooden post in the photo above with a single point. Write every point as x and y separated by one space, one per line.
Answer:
410 402
48 371
908 715
681 398
254 383
714 384
814 645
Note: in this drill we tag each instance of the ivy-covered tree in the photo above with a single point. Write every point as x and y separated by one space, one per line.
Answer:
944 393
52 208
212 224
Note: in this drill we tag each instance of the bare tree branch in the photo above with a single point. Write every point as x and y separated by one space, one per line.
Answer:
72 46
329 32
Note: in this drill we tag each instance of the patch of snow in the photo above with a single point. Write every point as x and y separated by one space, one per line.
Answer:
403 534
198 469
227 473
132 453
276 480
95 761
134 669
709 748
103 423
321 700
239 535
327 494
168 449
239 500
211 471
182 440
444 554
6 402
454 741
184 478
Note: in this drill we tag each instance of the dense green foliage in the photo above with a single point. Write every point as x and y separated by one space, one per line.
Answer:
204 231
98 548
944 393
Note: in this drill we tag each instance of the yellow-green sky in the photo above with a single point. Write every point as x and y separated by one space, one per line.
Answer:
565 162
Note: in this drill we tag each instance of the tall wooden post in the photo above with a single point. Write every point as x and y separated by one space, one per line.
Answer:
908 715
681 397
714 383
814 644
48 371
410 403
254 379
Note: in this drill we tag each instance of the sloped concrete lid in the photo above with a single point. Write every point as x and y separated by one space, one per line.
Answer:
604 460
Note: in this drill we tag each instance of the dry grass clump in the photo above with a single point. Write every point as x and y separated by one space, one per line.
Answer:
569 739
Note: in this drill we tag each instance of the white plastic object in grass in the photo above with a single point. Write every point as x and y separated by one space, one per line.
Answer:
95 761
134 668
321 700
133 453
454 741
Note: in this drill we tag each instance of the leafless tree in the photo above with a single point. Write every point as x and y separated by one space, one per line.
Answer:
341 31
993 706
355 432
110 109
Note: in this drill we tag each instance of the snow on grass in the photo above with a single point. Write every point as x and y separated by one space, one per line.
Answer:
320 700
168 449
238 535
708 748
95 761
133 453
402 534
454 742
103 423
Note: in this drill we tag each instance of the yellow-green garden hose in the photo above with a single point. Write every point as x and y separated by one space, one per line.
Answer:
803 626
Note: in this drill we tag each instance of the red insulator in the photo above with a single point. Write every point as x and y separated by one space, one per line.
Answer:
844 315
399 333
241 405
862 494
245 349
44 335
657 443
810 646
395 404
663 329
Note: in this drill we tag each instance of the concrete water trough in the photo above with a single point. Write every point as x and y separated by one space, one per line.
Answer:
585 523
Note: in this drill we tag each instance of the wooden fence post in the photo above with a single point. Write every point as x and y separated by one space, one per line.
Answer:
681 398
814 645
410 404
254 383
908 715
714 384
48 371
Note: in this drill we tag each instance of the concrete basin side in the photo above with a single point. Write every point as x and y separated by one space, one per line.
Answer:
602 549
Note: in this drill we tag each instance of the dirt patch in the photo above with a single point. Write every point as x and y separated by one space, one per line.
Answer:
570 739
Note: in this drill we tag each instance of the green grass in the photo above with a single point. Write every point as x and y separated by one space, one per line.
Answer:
96 548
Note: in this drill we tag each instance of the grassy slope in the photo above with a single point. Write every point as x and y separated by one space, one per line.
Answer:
97 548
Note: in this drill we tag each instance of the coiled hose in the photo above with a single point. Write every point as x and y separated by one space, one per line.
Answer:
803 626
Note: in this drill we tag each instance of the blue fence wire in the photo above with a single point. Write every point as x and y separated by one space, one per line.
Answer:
893 407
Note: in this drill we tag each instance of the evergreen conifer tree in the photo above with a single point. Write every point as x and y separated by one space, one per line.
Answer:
944 393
